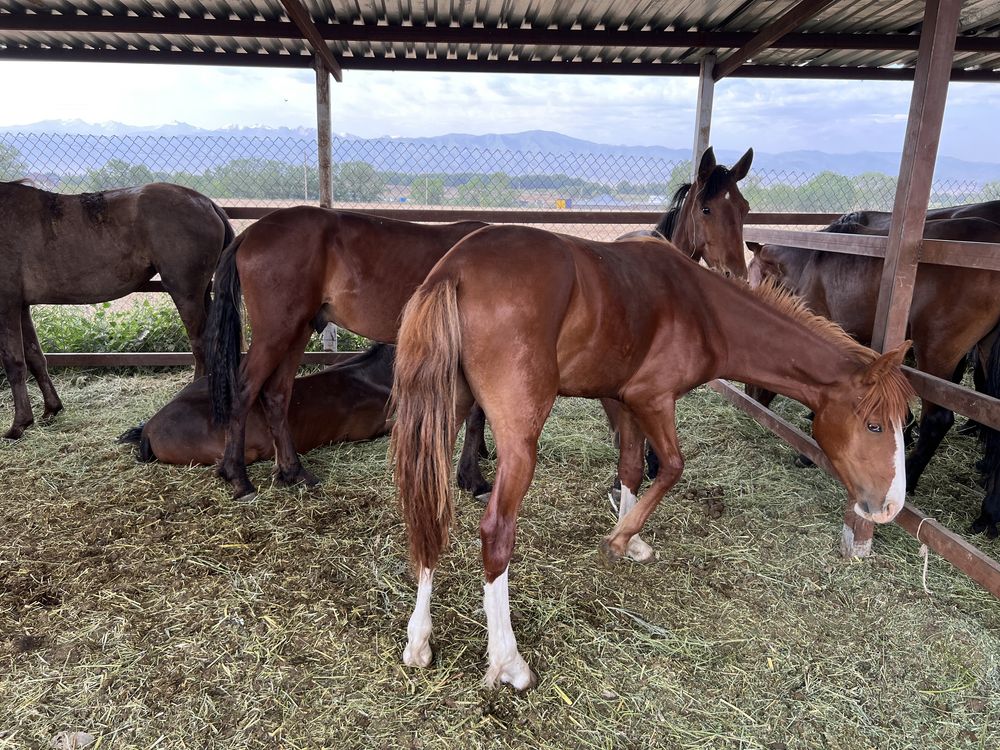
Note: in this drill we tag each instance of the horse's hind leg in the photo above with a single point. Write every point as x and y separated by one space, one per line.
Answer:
192 306
630 458
36 363
12 356
274 398
470 475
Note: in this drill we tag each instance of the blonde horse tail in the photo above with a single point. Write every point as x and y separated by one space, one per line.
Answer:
423 396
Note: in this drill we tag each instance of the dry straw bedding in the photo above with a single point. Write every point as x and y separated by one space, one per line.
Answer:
139 603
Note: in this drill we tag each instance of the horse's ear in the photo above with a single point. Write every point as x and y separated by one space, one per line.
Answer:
742 167
707 165
886 362
753 247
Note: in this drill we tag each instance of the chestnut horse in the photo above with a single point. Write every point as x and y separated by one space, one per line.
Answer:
513 317
342 403
93 247
953 310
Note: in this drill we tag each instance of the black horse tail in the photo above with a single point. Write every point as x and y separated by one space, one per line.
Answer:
136 437
225 334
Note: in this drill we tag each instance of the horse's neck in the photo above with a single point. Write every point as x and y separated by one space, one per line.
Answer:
769 348
683 235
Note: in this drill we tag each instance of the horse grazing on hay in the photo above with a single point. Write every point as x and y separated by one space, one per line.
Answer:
705 218
93 247
954 309
342 403
513 317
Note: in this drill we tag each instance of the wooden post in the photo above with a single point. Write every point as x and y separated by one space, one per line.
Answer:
923 131
323 138
703 115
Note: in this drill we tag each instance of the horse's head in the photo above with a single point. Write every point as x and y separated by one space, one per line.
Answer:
782 266
709 223
860 428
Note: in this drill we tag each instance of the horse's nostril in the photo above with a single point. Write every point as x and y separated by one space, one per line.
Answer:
865 508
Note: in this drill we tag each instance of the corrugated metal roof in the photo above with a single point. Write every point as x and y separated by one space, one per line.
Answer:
848 38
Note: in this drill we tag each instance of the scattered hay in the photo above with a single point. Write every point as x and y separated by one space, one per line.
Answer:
141 603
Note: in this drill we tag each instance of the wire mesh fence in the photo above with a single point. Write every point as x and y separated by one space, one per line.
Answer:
379 173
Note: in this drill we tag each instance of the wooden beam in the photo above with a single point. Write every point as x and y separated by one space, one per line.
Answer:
324 140
788 21
852 244
913 188
160 359
429 34
301 18
980 407
445 65
703 115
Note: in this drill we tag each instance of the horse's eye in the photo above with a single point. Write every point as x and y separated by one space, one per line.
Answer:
706 210
874 427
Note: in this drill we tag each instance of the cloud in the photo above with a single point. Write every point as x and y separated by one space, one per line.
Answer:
771 115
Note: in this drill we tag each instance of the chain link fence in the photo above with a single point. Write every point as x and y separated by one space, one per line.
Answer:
380 173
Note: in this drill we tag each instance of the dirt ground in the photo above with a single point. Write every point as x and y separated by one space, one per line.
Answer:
140 604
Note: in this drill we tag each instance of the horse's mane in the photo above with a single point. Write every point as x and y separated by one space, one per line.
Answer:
890 392
717 181
23 181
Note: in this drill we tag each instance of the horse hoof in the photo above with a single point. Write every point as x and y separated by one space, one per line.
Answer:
608 554
245 496
640 552
517 675
984 525
483 497
803 462
418 656
50 414
15 432
301 476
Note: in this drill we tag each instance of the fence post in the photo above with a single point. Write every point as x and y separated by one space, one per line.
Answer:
324 143
703 114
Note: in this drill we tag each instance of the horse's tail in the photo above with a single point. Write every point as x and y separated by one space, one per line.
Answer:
225 334
423 396
135 436
990 436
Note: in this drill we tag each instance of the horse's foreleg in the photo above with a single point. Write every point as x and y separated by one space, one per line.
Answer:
935 421
12 355
657 422
630 449
36 364
470 474
275 397
192 306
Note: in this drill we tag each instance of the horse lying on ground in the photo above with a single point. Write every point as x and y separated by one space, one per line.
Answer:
342 403
518 316
953 310
93 247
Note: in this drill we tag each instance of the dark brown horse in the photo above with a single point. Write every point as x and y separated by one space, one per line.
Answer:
953 310
513 317
297 269
342 403
93 247
705 218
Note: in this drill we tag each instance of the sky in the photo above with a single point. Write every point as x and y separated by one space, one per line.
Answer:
770 115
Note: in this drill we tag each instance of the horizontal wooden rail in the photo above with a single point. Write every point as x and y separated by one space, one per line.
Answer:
162 359
978 255
536 216
959 552
965 401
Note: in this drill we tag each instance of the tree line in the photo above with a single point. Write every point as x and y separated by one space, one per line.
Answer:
359 182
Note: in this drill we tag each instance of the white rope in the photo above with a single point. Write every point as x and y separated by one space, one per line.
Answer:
925 552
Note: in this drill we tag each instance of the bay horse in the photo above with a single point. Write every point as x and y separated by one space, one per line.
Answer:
514 316
93 247
298 269
953 310
705 218
342 403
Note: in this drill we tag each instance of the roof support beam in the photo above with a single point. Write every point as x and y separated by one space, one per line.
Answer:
222 27
254 60
788 21
301 18
703 115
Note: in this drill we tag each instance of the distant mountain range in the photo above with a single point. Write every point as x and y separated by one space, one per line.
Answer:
550 152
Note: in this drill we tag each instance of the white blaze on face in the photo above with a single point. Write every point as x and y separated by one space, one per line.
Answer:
418 631
505 662
895 497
